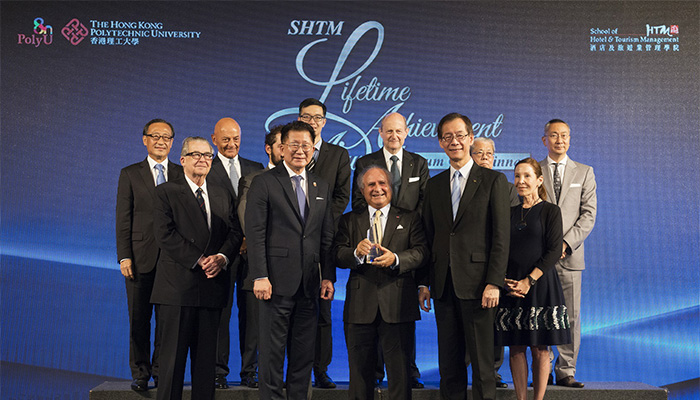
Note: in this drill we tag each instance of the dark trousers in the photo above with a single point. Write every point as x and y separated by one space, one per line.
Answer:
193 329
286 322
464 328
323 353
138 295
361 340
223 338
248 326
413 371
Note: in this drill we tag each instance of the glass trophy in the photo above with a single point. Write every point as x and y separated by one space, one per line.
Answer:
375 239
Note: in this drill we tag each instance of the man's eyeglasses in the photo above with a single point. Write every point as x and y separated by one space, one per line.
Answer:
555 136
307 118
157 137
448 138
482 153
294 147
197 155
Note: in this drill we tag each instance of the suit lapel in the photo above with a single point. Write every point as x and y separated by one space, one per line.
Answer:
406 169
443 197
547 176
473 183
147 177
312 193
392 222
174 174
189 202
286 183
569 173
218 169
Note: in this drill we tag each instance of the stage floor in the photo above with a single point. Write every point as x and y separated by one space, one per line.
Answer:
593 391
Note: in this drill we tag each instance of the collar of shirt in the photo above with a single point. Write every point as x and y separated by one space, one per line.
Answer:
387 158
152 164
561 168
227 163
383 218
465 170
562 163
270 165
317 149
304 181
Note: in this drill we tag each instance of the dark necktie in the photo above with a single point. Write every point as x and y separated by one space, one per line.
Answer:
161 176
234 177
395 176
557 182
301 197
312 163
200 201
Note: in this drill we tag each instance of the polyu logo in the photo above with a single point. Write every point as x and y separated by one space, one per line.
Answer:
74 31
43 34
662 30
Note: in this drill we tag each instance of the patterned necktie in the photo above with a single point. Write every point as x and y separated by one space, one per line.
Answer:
312 163
377 227
456 193
301 197
557 182
202 205
234 177
395 176
161 176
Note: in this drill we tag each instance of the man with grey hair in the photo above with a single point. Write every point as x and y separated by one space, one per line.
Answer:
483 152
381 294
197 229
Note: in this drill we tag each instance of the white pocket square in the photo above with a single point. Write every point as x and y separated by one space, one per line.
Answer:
319 198
399 227
413 179
575 185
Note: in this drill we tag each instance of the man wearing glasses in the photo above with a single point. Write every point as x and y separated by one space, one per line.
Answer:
467 223
332 164
137 251
289 230
197 229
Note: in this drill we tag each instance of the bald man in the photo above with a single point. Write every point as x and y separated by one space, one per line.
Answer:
227 168
409 176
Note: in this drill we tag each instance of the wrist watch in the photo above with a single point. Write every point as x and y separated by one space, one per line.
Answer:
531 280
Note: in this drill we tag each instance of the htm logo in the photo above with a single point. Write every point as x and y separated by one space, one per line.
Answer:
662 30
74 31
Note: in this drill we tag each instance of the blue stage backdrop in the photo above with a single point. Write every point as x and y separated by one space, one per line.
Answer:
80 79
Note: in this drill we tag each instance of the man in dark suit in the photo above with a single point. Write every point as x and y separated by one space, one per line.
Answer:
573 188
381 296
467 224
196 227
137 251
332 164
483 151
410 174
289 229
227 168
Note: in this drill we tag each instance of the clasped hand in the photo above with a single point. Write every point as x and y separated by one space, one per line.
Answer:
517 288
386 259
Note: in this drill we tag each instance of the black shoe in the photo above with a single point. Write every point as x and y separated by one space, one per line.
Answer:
569 381
250 381
139 385
220 382
324 381
500 384
417 383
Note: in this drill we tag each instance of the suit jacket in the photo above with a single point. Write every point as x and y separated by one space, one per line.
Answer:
219 176
243 187
578 203
475 246
281 246
414 177
134 216
333 166
370 288
183 236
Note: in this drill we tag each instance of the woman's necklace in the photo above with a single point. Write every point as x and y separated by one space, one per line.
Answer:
522 224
